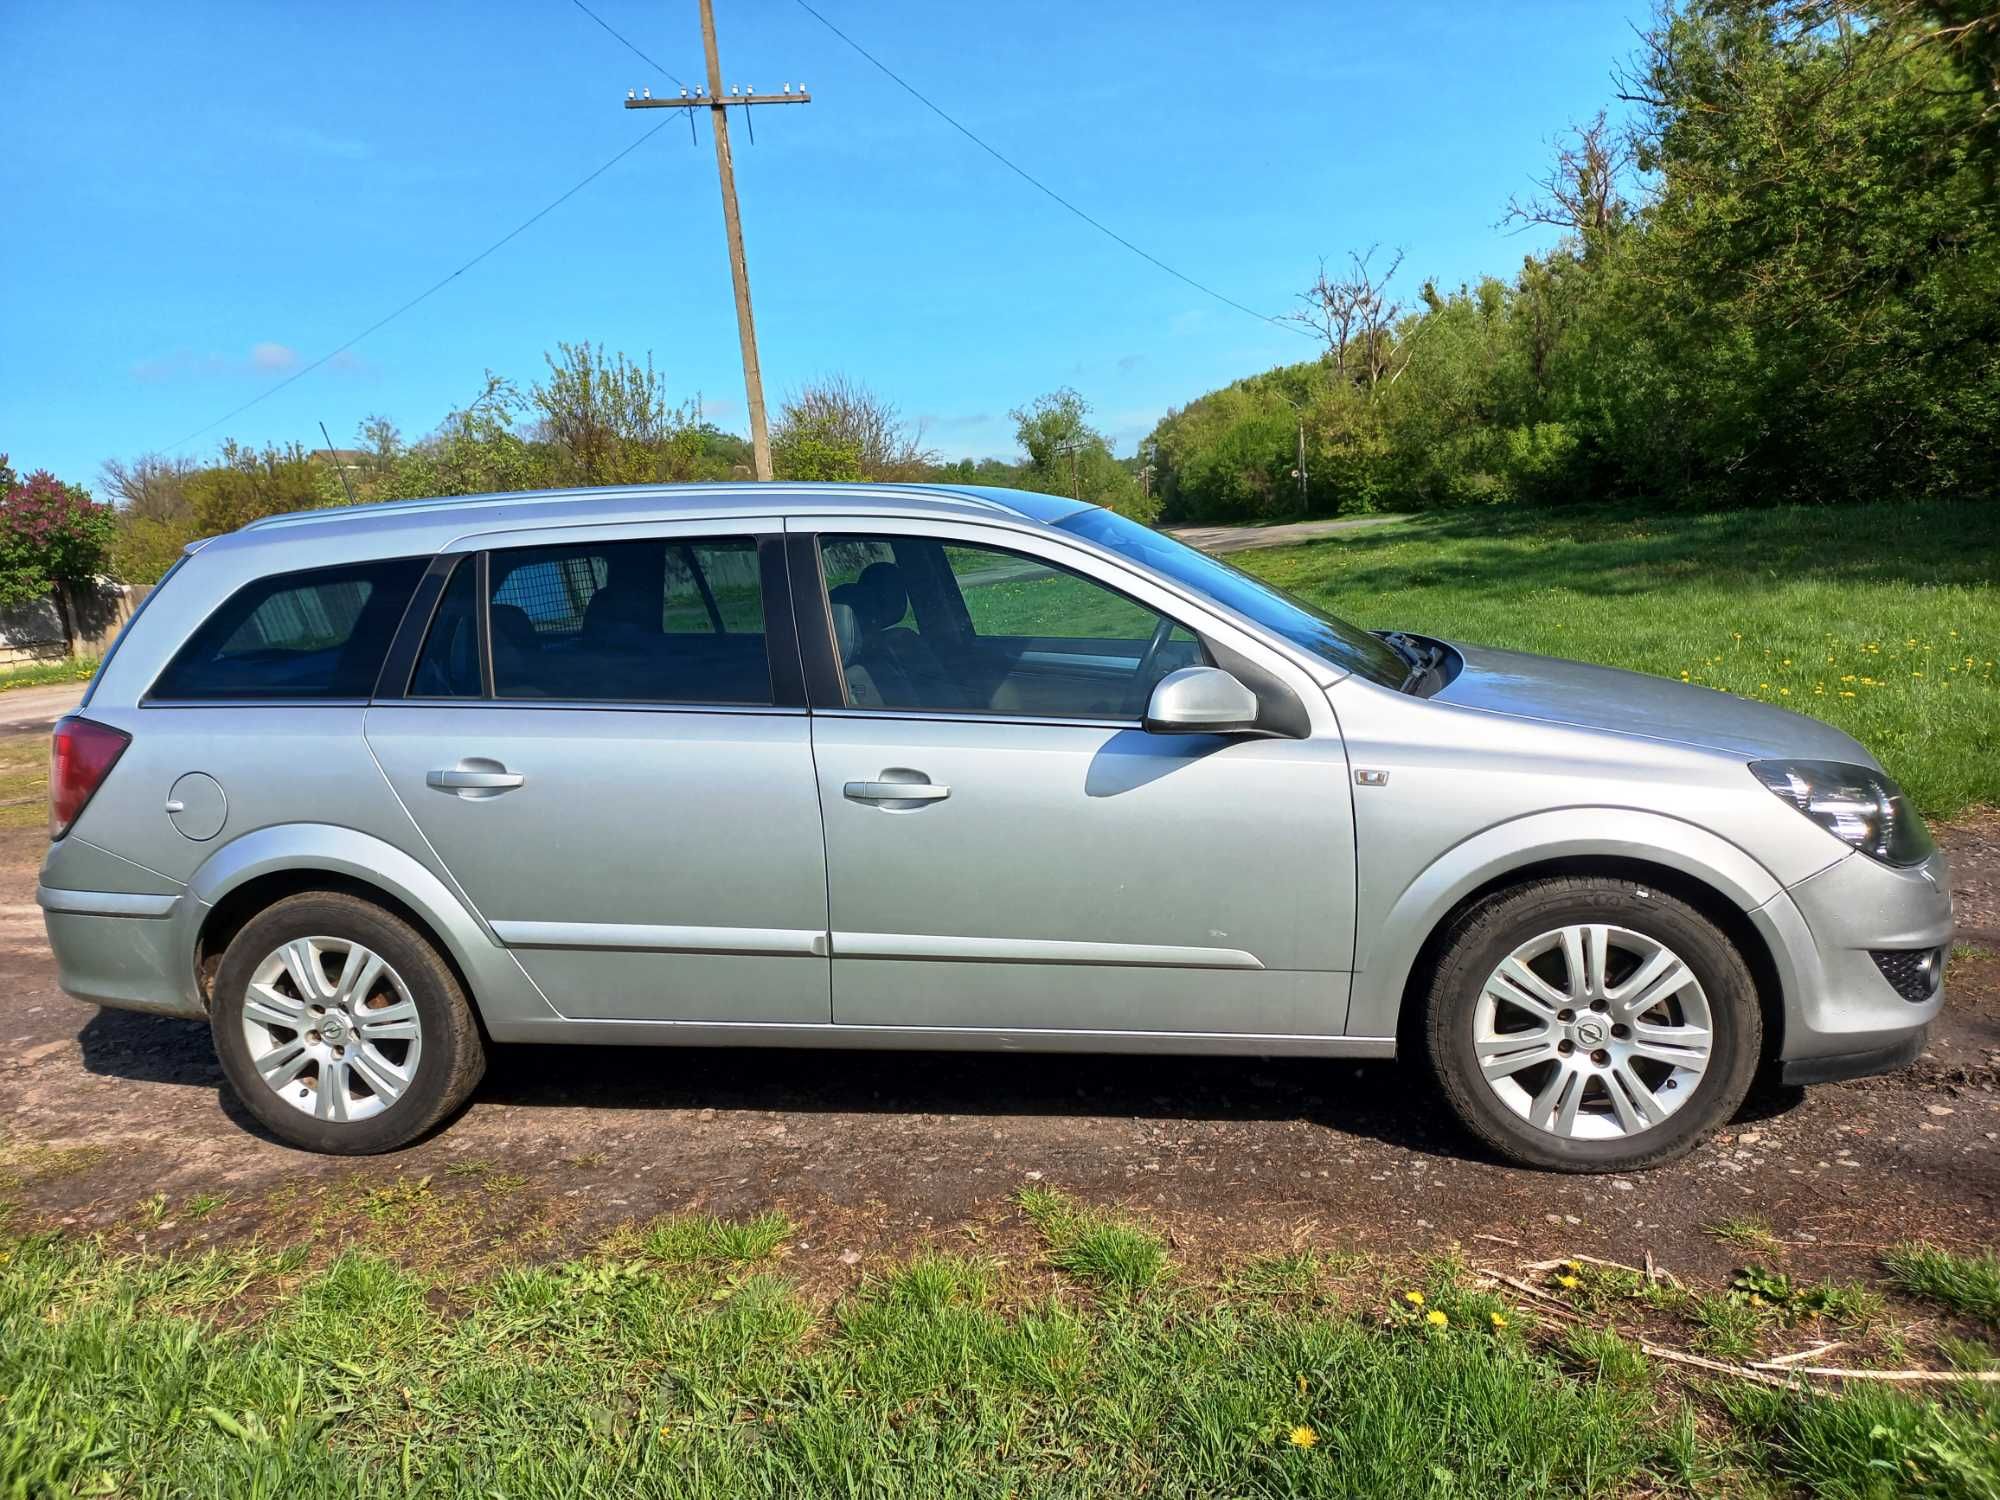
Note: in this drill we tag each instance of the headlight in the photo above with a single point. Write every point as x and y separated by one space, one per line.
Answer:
1856 805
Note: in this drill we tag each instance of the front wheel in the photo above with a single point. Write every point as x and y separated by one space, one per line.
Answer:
1591 1024
340 1027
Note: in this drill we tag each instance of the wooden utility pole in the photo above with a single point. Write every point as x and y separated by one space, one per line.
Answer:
739 271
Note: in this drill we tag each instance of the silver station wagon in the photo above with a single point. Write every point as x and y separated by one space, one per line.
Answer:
371 790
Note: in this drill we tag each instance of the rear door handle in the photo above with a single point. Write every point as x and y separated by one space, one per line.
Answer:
475 783
896 791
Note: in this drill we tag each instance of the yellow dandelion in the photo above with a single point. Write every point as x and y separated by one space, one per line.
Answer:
1569 1282
1304 1437
1784 692
1415 1299
1845 693
1436 1319
1498 1321
1788 661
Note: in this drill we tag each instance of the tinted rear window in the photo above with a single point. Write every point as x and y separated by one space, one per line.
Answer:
321 633
679 620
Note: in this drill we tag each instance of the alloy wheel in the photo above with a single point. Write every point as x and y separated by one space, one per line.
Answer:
331 1028
1593 1032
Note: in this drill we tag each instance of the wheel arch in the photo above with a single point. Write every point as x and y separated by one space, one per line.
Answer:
250 873
1715 877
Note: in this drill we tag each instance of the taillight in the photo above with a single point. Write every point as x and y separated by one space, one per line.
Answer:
80 757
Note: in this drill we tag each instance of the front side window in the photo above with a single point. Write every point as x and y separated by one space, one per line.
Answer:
656 621
958 628
321 633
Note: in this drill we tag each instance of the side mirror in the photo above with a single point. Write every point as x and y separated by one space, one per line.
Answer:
1201 700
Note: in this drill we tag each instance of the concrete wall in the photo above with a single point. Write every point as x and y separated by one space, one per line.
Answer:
34 632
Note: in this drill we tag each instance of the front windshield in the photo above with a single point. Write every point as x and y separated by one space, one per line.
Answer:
1346 646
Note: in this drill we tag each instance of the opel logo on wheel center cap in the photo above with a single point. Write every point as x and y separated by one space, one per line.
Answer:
1590 1033
333 1029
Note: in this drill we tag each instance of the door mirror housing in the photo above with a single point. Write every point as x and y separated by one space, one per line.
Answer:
1201 700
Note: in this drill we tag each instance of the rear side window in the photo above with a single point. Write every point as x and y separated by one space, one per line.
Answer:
448 666
658 621
321 633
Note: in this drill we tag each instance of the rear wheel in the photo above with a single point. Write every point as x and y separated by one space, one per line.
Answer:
1591 1024
340 1027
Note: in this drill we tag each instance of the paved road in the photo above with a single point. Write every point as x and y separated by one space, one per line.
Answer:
29 710
1243 538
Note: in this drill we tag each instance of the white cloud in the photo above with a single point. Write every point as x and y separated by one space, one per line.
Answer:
266 357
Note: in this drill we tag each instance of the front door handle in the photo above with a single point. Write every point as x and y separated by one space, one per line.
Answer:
907 792
475 778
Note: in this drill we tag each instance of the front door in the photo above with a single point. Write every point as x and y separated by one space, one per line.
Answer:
1008 849
603 765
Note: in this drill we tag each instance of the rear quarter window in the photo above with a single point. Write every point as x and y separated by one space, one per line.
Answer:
320 633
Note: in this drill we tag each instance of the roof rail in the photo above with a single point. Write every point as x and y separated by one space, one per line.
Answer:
333 513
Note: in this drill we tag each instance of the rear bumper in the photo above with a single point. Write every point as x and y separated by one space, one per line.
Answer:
1843 1018
118 948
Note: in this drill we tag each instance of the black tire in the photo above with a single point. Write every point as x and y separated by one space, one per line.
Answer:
452 1057
1486 934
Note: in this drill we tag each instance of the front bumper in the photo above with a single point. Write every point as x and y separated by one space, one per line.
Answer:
1890 1059
1843 1019
118 948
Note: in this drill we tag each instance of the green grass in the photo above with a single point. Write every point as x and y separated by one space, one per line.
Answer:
252 1371
1093 1247
43 673
1745 1232
1883 620
691 1238
1969 1285
24 781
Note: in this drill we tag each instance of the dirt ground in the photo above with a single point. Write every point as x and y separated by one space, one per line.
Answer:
876 1153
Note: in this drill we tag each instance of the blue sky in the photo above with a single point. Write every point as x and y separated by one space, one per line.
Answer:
201 198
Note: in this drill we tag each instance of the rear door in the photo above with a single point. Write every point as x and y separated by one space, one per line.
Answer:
603 736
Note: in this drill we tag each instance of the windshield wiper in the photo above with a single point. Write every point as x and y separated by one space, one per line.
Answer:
1423 659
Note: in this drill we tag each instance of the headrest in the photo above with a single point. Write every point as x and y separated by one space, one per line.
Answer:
883 598
615 610
512 628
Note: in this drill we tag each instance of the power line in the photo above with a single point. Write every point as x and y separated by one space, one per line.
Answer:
435 286
1028 177
621 37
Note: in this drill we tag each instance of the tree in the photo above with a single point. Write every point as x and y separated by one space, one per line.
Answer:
1354 316
475 451
1067 456
151 487
608 421
837 428
248 484
1814 279
1583 190
54 539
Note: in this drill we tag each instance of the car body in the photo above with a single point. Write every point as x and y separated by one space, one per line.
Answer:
877 766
